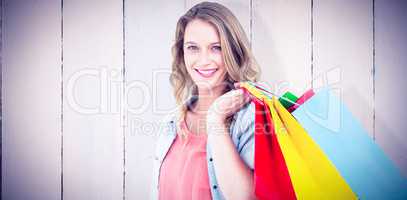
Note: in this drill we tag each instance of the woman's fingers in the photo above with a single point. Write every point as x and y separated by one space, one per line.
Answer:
247 96
230 102
241 99
237 85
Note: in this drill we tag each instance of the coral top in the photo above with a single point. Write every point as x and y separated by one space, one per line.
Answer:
184 171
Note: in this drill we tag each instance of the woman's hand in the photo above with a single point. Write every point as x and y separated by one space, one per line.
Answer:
233 175
227 104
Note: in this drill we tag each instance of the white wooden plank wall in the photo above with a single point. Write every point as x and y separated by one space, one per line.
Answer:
31 97
64 65
282 43
345 28
390 80
92 134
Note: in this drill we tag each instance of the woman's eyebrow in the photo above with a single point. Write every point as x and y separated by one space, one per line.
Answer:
191 42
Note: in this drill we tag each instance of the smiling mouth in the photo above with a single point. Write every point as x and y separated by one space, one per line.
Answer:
206 73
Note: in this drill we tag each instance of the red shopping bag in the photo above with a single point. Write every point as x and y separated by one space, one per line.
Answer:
272 180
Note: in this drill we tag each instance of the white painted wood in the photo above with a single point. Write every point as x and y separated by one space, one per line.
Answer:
391 61
343 53
93 137
150 33
31 123
281 43
241 9
96 153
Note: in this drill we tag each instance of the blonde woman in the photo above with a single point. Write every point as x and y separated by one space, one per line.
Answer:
207 148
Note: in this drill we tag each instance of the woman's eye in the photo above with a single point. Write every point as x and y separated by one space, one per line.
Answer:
216 48
192 48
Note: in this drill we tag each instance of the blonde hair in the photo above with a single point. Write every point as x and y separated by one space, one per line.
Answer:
239 61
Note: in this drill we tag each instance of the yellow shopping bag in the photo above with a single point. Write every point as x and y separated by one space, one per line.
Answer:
312 174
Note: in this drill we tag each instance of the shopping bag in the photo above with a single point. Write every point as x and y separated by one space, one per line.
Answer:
317 181
312 174
361 162
303 98
271 177
330 184
288 99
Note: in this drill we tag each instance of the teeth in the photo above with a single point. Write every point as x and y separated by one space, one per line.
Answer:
206 72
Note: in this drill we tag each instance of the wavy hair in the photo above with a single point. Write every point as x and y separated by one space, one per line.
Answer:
239 61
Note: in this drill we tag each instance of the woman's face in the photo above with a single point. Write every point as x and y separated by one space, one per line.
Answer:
203 55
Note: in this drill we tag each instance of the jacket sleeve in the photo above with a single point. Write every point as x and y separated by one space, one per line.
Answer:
243 134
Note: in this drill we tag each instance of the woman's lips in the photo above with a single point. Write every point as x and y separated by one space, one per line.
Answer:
206 73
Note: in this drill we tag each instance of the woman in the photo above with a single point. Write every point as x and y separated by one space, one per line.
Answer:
207 150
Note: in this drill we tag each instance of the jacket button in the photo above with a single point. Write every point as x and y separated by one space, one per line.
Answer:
210 159
215 186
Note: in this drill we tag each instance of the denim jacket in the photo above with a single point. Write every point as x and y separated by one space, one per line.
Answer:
241 131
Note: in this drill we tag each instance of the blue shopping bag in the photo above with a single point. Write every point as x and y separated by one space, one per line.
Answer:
365 167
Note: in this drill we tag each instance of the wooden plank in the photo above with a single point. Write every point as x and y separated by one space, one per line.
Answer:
390 81
343 55
281 43
93 136
31 122
149 37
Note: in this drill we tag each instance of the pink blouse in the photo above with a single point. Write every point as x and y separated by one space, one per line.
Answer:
184 171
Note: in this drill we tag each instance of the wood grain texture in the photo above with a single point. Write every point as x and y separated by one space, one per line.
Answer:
282 43
391 61
70 129
31 123
93 136
343 53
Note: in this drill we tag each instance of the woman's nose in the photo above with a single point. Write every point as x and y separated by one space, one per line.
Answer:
204 58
